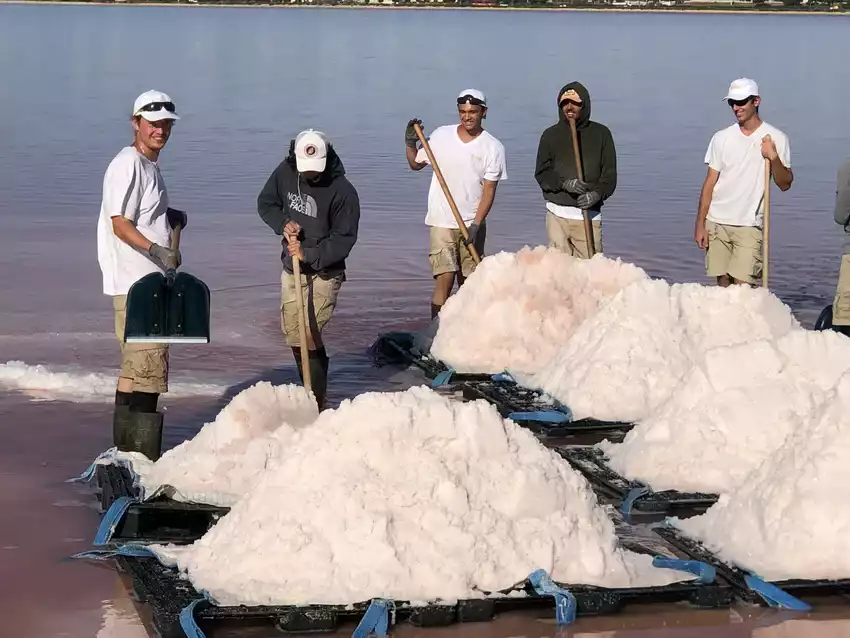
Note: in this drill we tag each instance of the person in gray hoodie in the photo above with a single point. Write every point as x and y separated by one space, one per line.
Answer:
565 194
841 303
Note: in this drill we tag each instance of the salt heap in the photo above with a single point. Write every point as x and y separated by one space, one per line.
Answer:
226 457
625 361
516 309
789 519
409 496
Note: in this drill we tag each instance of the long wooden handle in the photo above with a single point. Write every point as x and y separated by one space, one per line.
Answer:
449 198
588 228
766 239
175 237
302 323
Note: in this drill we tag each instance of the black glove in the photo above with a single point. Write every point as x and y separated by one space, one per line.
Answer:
176 217
473 234
588 200
169 257
410 136
576 186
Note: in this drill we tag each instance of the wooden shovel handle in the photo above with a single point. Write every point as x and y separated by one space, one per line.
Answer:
445 187
588 228
175 237
766 238
302 323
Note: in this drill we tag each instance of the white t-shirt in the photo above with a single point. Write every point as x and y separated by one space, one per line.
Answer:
571 212
464 166
739 193
132 187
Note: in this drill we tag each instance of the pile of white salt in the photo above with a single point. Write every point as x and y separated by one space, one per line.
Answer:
409 496
516 309
227 456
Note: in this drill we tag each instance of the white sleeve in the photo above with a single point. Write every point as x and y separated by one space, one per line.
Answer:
712 155
496 168
785 152
122 192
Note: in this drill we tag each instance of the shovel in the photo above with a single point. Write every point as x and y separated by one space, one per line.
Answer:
302 324
168 308
588 228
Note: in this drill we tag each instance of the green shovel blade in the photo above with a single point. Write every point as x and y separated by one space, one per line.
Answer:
173 308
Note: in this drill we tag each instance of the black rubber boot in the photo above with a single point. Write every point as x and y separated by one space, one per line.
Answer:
143 434
121 425
319 363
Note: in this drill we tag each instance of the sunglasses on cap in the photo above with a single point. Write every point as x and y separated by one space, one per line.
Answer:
743 102
158 106
469 99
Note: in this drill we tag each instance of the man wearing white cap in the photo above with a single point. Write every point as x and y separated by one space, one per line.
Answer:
309 201
730 217
472 162
133 240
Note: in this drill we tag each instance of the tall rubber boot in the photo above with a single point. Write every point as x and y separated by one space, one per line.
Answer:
121 426
144 434
319 376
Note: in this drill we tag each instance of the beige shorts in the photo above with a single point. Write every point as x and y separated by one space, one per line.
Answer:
319 294
735 251
841 303
145 363
568 235
448 253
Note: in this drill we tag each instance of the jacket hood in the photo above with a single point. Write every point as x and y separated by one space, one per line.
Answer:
333 167
584 116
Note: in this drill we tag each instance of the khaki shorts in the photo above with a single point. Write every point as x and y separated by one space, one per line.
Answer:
448 253
841 303
568 235
734 251
319 294
145 363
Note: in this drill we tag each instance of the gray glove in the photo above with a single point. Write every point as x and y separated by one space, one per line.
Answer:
168 256
410 136
576 186
473 234
588 200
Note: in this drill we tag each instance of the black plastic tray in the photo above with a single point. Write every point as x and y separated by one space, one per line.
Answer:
113 481
804 589
396 348
616 489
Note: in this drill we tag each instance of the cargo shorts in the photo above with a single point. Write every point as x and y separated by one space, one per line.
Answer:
320 293
568 235
841 303
447 252
735 251
145 363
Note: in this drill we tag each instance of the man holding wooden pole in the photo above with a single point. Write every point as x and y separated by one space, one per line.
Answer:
732 218
468 163
841 303
577 171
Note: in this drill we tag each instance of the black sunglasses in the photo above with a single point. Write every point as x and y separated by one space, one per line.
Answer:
469 99
743 102
158 106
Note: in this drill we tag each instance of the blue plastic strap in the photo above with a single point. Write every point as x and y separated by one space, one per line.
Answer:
634 494
774 596
443 378
375 620
503 377
111 519
565 602
704 572
89 472
129 549
187 619
544 416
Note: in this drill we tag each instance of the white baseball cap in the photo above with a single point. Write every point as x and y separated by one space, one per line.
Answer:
154 106
741 89
474 94
311 151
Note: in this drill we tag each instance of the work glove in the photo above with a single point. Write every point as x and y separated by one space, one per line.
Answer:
473 234
176 217
576 186
168 256
588 200
410 136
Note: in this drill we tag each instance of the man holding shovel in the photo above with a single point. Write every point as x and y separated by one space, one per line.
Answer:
472 162
309 201
730 220
841 303
575 184
134 238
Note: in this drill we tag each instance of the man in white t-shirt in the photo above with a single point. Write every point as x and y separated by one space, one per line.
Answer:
729 224
134 240
472 162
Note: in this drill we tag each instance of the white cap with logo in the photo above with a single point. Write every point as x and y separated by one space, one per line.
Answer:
475 94
311 151
154 106
741 89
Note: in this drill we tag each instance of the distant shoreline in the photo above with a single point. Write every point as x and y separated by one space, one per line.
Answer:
708 9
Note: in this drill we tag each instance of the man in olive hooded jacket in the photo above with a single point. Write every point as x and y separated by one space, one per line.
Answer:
566 195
